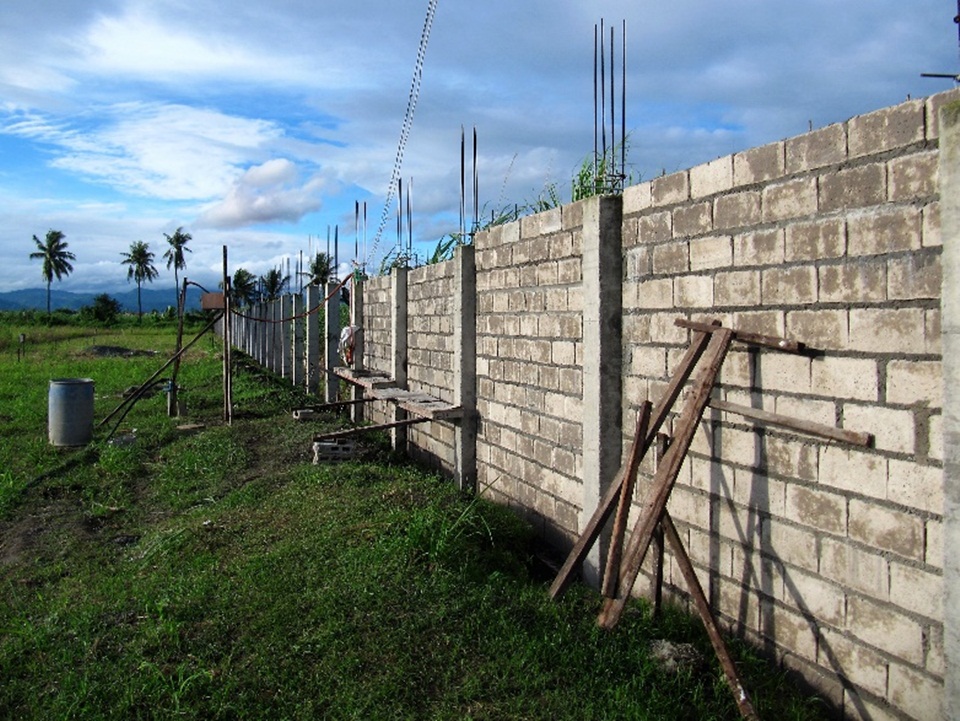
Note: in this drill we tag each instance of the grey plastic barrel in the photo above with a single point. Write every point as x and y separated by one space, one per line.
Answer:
70 411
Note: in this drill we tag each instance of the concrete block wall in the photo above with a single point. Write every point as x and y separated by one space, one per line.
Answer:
430 341
377 339
430 352
829 556
530 367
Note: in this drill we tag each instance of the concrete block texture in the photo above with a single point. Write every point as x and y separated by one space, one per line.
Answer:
835 556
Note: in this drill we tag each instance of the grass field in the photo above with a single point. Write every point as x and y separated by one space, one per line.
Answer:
218 574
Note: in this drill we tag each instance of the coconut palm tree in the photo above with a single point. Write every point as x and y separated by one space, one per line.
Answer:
273 284
56 258
320 270
139 262
243 288
174 256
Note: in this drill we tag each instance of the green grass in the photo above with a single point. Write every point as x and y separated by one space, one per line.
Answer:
218 574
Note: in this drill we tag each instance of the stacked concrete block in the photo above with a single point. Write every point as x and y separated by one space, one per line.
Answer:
376 321
829 556
530 358
430 352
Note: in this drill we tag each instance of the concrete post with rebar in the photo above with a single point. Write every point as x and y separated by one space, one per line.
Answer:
602 330
331 334
465 367
398 355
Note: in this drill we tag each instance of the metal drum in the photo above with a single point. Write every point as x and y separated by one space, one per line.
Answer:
70 406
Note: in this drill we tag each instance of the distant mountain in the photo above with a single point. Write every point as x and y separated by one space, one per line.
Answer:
36 298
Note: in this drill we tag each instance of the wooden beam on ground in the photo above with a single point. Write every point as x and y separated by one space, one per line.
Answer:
611 574
856 438
590 532
665 477
363 429
766 341
706 615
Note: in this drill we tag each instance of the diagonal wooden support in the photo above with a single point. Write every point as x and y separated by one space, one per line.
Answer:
706 615
590 532
665 477
611 575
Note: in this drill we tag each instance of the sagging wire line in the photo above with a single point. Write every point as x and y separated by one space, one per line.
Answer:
306 313
407 124
190 282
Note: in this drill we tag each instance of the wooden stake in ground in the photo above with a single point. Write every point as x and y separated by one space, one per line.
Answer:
227 403
173 409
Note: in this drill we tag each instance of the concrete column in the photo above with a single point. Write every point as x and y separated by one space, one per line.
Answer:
356 318
602 304
950 335
313 339
298 361
465 367
398 355
271 340
331 332
262 330
286 341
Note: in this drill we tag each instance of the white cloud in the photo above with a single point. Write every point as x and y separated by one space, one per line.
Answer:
266 193
169 152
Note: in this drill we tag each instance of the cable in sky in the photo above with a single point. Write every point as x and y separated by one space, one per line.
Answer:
407 122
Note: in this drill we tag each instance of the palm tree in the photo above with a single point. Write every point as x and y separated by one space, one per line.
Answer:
273 284
243 288
174 256
56 258
320 270
139 262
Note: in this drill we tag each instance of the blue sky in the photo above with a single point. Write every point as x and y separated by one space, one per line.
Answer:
259 125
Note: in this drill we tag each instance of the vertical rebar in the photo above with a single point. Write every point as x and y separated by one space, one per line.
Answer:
603 102
595 103
612 167
623 103
476 185
463 183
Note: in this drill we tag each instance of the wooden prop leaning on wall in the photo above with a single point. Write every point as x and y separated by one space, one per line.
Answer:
654 522
605 508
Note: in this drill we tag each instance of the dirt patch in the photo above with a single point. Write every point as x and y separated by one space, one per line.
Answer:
115 351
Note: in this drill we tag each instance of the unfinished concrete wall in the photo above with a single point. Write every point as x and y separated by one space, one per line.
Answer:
430 351
377 303
530 367
828 556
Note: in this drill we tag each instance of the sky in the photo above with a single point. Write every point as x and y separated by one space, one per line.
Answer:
260 126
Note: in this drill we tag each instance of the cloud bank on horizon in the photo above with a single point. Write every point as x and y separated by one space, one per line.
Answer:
261 127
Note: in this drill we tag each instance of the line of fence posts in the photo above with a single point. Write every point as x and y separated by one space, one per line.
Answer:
285 337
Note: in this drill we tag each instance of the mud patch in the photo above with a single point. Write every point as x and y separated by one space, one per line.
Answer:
115 351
